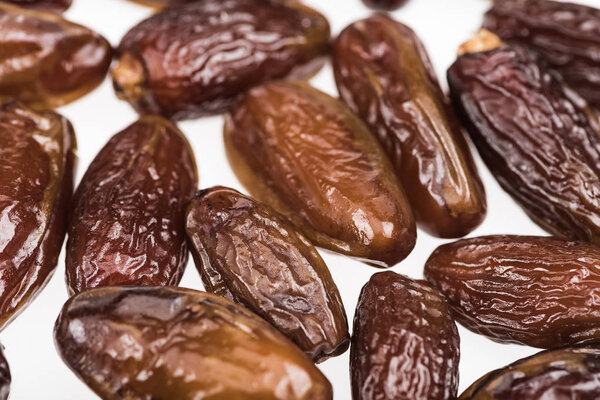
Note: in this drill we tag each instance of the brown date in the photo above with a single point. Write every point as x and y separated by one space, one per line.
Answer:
5 378
383 73
46 60
173 343
196 59
309 157
539 144
565 35
248 253
405 344
566 373
51 5
37 162
128 214
385 5
537 291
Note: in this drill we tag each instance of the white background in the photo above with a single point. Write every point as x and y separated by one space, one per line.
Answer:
38 372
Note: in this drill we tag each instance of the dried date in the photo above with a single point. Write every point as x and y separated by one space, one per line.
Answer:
173 343
383 73
248 253
5 378
386 5
196 59
51 5
405 344
309 157
536 291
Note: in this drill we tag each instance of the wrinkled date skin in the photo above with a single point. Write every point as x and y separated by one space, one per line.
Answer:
51 5
37 162
309 157
172 343
128 218
567 373
539 144
405 345
5 378
189 61
536 291
566 35
384 74
248 253
385 5
46 60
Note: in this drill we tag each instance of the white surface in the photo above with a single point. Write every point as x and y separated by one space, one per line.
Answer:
38 372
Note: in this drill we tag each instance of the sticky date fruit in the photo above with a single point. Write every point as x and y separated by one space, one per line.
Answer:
539 144
536 291
383 73
405 344
173 343
51 5
309 157
386 5
5 378
248 253
196 59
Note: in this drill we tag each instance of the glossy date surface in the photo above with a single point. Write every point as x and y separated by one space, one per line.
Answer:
536 291
173 343
385 5
196 59
128 215
309 157
51 5
384 74
248 253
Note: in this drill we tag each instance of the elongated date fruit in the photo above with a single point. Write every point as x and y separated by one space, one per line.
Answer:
405 344
539 144
566 373
51 5
48 61
5 377
385 5
537 291
384 74
190 60
173 343
248 253
128 218
309 157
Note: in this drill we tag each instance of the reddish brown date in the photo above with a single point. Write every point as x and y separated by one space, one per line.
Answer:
46 60
384 74
37 157
405 345
565 35
539 144
567 373
248 253
386 5
196 59
309 157
537 291
5 378
51 5
128 218
172 343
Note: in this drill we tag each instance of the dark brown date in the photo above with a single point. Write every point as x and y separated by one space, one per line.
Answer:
173 343
567 373
385 5
539 144
537 291
309 157
384 74
51 5
5 378
565 35
248 253
196 59
46 60
405 344
128 215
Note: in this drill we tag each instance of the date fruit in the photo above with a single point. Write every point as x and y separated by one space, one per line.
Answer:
5 378
128 219
37 162
405 344
565 35
567 373
539 144
173 343
46 60
383 73
196 59
385 5
50 5
536 291
308 156
248 253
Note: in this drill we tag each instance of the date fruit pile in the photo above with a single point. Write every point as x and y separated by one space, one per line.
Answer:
356 176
